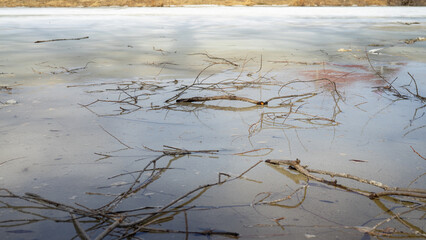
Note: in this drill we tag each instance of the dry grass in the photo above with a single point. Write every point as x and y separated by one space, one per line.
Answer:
160 3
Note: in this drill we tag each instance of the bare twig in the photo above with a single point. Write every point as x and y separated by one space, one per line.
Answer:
118 140
61 39
179 151
183 90
383 78
215 58
418 153
421 98
269 150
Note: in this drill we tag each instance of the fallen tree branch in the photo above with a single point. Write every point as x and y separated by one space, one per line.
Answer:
222 97
237 98
418 193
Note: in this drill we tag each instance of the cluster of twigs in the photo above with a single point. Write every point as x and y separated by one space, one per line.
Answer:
414 199
412 94
124 97
128 97
106 221
62 69
292 117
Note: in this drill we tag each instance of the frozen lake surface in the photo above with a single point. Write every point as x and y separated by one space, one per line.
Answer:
90 98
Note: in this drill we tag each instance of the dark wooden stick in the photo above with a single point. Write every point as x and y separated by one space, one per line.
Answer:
237 98
61 39
222 97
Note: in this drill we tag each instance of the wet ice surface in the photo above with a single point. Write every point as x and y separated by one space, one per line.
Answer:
59 142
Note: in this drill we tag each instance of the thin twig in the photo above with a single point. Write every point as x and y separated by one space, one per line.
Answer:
418 153
61 39
215 58
115 138
383 78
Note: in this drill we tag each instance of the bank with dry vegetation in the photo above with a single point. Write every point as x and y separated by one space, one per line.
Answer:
161 3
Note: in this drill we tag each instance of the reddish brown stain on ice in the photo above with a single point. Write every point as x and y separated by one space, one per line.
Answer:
347 73
356 66
339 76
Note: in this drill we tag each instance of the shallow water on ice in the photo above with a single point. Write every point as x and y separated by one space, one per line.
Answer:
59 142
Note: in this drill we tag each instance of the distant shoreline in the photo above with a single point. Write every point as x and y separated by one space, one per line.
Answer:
167 3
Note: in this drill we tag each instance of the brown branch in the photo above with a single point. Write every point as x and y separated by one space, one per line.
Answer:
349 176
418 153
223 97
397 193
419 193
296 165
61 39
237 98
